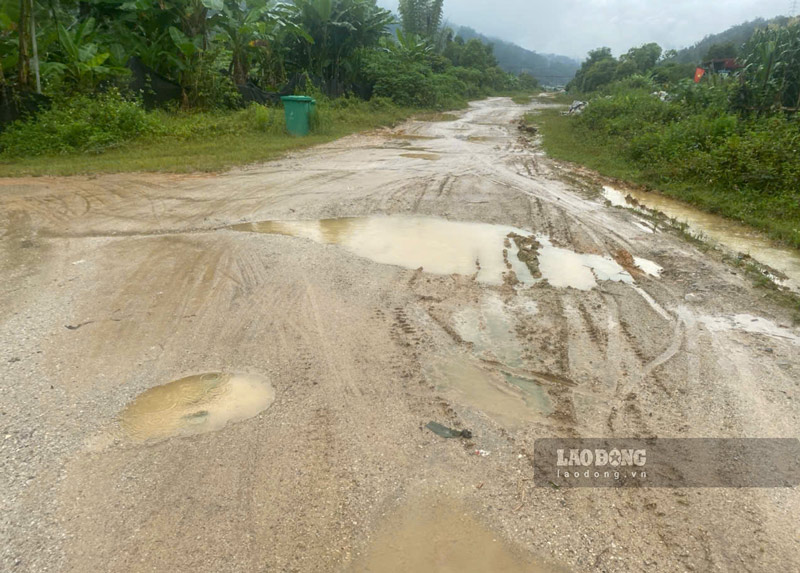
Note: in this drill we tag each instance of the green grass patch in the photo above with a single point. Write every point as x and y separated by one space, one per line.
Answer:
207 141
712 180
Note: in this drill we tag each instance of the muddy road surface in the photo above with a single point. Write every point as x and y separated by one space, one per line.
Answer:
234 372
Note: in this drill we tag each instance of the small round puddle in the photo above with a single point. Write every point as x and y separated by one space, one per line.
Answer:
196 405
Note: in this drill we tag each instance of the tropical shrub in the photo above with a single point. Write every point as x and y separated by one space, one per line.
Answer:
81 123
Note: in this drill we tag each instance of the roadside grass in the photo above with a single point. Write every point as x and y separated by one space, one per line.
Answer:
562 139
522 99
213 141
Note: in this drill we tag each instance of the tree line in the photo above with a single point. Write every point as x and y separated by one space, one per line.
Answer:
210 48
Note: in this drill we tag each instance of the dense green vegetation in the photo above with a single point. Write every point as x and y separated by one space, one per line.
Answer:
211 140
212 58
733 37
728 144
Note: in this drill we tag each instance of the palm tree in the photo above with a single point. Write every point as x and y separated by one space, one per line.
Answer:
339 28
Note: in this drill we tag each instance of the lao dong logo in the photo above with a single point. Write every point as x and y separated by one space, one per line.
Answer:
601 463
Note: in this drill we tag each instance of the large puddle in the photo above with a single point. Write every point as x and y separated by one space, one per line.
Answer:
437 245
447 247
730 234
195 405
440 536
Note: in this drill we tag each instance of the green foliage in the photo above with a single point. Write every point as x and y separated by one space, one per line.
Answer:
721 51
642 59
340 30
213 47
694 148
409 73
83 63
729 144
771 75
410 83
265 119
601 69
81 123
528 82
421 17
186 141
597 70
736 36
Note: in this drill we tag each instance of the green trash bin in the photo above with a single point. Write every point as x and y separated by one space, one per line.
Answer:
298 111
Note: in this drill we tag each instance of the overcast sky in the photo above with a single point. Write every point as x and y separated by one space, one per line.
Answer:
573 27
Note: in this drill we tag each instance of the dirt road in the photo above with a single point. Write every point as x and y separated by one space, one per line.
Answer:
114 285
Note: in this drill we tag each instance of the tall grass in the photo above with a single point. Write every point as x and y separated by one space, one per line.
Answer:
744 168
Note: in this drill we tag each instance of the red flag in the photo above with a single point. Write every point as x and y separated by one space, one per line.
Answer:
698 75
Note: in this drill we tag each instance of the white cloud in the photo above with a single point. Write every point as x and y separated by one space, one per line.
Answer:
573 27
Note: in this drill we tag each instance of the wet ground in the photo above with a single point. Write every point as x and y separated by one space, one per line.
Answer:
235 372
725 232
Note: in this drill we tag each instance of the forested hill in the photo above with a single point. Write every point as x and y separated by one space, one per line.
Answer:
736 35
549 69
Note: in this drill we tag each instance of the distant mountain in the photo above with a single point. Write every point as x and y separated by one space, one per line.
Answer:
549 69
737 35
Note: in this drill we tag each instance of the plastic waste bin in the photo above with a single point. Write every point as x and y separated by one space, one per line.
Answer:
299 110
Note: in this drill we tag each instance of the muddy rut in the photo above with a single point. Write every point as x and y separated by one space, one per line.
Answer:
116 285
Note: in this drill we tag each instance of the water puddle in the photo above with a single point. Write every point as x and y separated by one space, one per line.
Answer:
727 233
507 397
453 247
425 156
437 245
490 329
649 267
195 405
535 396
503 397
751 324
565 268
616 198
440 536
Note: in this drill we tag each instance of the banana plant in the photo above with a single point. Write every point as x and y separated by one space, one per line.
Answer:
409 47
248 26
84 63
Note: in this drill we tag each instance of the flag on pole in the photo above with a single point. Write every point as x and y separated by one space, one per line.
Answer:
698 75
